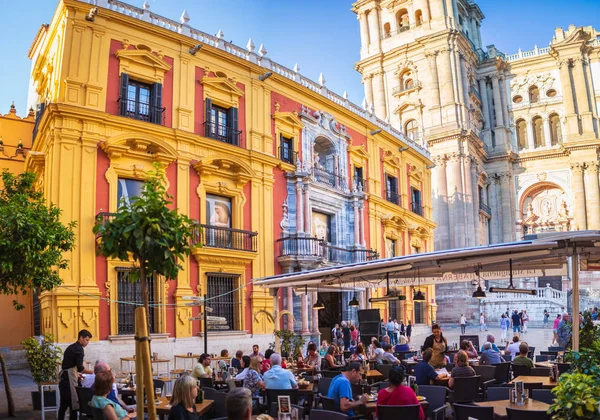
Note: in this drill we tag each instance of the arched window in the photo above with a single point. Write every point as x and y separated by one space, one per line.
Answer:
411 129
534 94
419 17
555 130
407 80
402 20
387 31
538 132
521 127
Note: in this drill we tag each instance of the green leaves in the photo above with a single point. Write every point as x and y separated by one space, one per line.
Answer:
577 396
32 238
43 357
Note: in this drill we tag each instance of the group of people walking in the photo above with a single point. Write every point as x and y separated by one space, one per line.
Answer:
395 329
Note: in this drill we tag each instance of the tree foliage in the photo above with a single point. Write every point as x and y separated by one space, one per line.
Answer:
43 357
32 238
146 229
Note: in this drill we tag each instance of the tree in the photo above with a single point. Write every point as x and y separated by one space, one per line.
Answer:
32 243
144 228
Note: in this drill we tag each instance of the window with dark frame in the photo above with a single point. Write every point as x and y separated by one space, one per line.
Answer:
141 101
391 192
221 123
129 296
221 295
286 149
417 207
358 177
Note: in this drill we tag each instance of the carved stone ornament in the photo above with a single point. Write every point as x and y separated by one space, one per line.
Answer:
523 83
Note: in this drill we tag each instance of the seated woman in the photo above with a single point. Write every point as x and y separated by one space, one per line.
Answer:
102 386
266 363
359 354
425 372
255 383
402 345
468 348
222 363
462 368
323 349
313 359
183 401
330 363
396 393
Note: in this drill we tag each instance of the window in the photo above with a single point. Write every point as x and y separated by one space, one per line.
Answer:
415 249
218 222
402 20
387 32
129 293
391 189
538 132
286 149
521 128
534 94
358 177
141 101
417 207
128 190
321 226
419 312
390 248
221 123
419 17
411 129
223 299
555 130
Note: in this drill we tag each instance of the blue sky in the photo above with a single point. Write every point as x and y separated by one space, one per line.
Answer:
319 35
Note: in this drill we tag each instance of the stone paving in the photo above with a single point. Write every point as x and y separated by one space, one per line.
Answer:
22 384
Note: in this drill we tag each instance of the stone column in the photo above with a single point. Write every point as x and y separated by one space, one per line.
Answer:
583 100
507 226
361 300
493 203
504 99
315 314
468 201
299 207
379 95
476 198
304 311
289 305
364 29
568 98
356 222
592 196
434 88
440 205
373 18
457 205
547 135
487 117
462 86
446 80
530 136
307 218
368 82
361 220
579 194
497 101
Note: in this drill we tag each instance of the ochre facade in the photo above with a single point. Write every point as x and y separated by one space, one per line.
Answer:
252 150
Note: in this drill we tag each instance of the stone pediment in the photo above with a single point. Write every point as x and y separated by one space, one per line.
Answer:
390 159
288 118
408 104
358 151
142 63
222 87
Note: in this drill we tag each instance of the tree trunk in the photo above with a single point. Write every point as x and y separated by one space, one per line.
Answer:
144 284
9 397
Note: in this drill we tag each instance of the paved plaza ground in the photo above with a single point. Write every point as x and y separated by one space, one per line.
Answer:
22 384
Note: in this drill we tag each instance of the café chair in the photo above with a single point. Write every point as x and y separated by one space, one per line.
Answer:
385 370
331 373
516 414
466 389
465 412
563 368
540 371
543 395
552 354
98 413
218 397
158 384
323 387
520 370
542 358
531 352
488 377
529 387
328 404
272 395
316 414
498 393
555 348
381 384
394 412
85 396
274 410
502 374
436 397
207 383
347 354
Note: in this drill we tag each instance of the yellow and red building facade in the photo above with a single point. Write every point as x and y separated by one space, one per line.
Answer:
281 173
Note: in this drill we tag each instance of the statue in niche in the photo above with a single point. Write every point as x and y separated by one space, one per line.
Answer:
563 212
317 160
529 211
546 208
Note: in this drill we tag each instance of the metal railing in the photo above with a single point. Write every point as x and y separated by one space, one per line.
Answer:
225 238
222 133
287 155
142 111
485 208
393 197
310 247
416 208
345 256
323 176
402 88
543 293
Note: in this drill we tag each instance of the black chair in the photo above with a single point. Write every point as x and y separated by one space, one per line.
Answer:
553 354
464 412
543 395
385 371
406 354
323 388
98 413
502 372
542 358
488 377
207 383
274 410
529 387
540 371
516 414
520 370
158 384
393 412
498 393
556 349
531 352
328 404
347 354
330 373
466 389
563 368
272 395
316 414
84 395
219 401
436 397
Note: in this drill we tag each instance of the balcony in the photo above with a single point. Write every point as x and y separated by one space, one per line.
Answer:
297 246
398 90
131 108
222 133
208 236
328 178
339 255
287 155
485 208
393 197
417 208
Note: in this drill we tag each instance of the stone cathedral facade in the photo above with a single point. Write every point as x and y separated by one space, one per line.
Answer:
514 137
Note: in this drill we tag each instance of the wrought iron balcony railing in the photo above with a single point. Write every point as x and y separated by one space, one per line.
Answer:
309 247
222 133
225 238
331 179
485 208
393 197
141 111
345 256
403 88
288 155
417 208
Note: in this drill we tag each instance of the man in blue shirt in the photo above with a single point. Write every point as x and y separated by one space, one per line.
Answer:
491 338
340 389
489 356
277 377
424 372
516 322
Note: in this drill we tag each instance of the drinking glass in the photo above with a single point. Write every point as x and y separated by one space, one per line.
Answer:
158 392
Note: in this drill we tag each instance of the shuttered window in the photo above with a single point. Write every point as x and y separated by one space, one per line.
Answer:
141 101
221 123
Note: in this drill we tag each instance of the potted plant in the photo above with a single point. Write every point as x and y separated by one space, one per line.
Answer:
286 341
577 396
44 359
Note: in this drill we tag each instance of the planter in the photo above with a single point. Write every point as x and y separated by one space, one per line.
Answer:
49 399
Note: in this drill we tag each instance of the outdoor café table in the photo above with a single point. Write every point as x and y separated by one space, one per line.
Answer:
545 364
473 362
158 362
164 408
128 360
373 376
500 406
547 382
185 358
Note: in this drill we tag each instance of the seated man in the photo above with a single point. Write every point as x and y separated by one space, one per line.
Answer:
238 404
222 363
113 395
489 356
491 338
236 362
277 377
388 355
203 369
522 358
340 389
425 372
